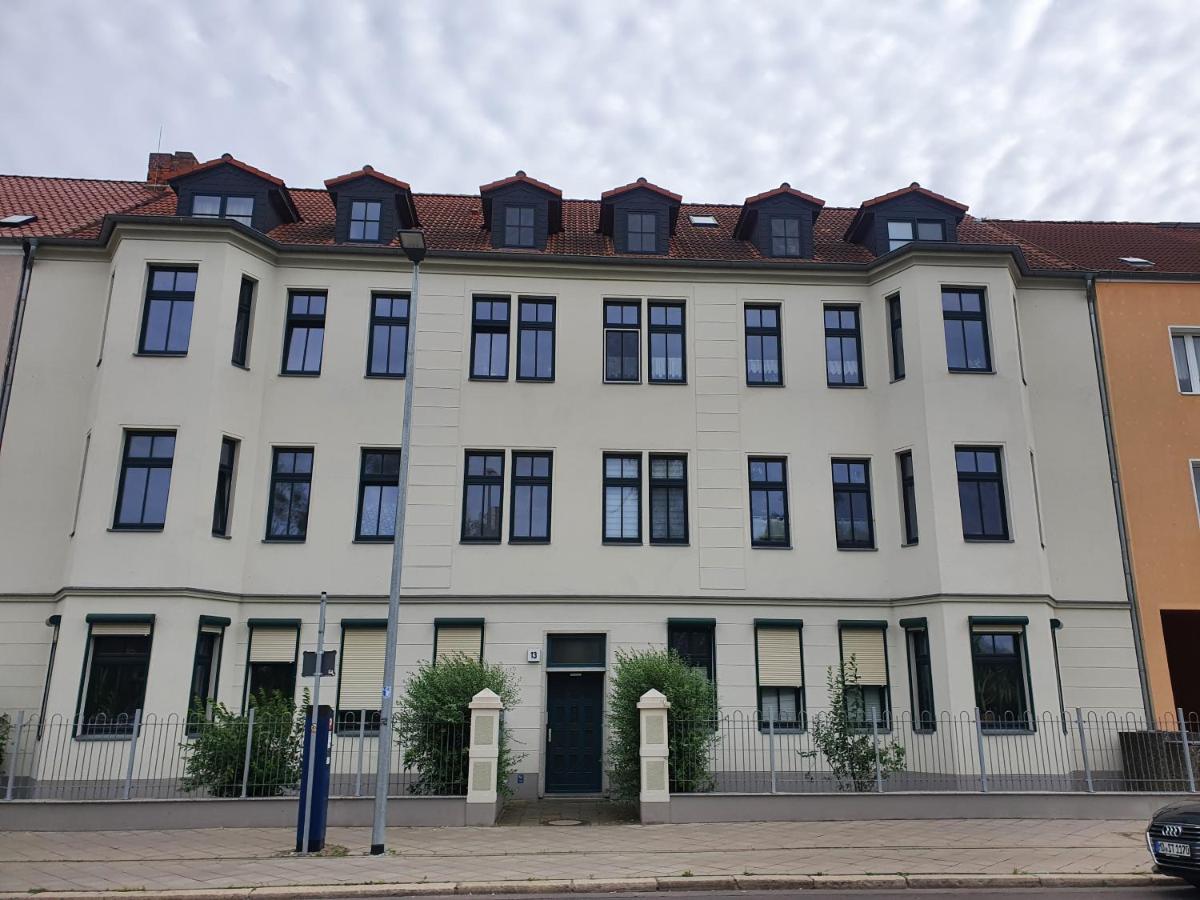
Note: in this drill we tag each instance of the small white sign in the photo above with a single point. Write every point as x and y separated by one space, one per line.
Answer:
533 655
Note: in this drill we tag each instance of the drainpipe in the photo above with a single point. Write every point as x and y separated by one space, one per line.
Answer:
1118 499
14 337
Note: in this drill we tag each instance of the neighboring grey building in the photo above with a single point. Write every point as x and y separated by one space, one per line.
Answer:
752 433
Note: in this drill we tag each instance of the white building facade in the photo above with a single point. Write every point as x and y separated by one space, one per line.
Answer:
663 477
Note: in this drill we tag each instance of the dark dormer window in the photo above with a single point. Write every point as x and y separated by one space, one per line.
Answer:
642 232
518 226
216 206
901 232
785 236
364 220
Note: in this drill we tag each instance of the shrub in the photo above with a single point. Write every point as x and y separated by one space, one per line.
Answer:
216 756
839 735
432 723
692 720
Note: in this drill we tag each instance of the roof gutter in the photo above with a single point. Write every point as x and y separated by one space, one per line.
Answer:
14 338
1118 499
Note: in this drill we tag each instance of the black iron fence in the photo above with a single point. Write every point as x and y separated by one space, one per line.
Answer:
745 751
149 757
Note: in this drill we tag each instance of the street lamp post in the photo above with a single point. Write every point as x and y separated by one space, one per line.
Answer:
412 241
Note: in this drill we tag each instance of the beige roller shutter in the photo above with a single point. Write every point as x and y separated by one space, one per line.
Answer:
779 657
120 628
998 629
272 645
361 668
455 639
866 646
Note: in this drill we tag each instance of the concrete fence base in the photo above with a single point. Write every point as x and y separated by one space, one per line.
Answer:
684 808
149 815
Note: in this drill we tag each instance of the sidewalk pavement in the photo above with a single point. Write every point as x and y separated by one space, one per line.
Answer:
561 859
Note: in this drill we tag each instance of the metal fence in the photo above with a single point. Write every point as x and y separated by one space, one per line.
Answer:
743 751
61 758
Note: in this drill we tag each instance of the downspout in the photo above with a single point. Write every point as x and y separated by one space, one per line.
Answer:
14 337
1118 500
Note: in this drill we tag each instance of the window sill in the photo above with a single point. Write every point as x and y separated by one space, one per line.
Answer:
780 729
971 371
135 529
764 384
654 543
480 542
754 546
609 542
858 549
284 540
244 368
987 540
299 374
160 354
487 378
910 544
535 380
846 387
380 541
996 732
895 380
668 382
622 381
384 376
529 542
93 738
223 537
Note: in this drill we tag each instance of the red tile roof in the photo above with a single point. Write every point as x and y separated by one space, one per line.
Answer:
1173 247
785 188
915 188
76 208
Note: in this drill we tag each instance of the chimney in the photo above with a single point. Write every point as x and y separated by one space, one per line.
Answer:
165 166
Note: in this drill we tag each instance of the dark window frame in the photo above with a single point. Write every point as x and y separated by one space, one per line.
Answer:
621 482
366 220
884 725
962 317
224 207
768 486
391 322
670 485
515 233
115 728
293 667
761 331
842 334
978 478
800 725
914 223
346 721
785 240
291 478
853 488
226 473
920 680
642 234
625 330
310 322
667 330
151 462
243 323
896 336
380 480
908 498
174 298
1018 661
486 481
695 626
491 326
217 634
531 481
530 330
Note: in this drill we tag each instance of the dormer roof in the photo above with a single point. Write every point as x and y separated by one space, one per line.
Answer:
661 195
867 208
367 171
281 198
746 218
514 184
520 178
387 185
642 184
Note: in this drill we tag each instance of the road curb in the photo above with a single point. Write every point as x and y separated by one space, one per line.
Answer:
613 885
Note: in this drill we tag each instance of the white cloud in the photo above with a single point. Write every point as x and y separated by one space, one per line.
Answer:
1034 109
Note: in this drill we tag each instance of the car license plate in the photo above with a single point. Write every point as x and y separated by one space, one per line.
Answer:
1170 848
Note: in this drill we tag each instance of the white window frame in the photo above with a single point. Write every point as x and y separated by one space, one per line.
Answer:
1192 353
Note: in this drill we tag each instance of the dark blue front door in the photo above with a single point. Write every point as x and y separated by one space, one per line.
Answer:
574 732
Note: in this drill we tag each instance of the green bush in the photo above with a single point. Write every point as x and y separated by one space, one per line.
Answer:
839 735
691 719
214 759
5 726
432 723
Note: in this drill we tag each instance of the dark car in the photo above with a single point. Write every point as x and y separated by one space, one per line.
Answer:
1173 837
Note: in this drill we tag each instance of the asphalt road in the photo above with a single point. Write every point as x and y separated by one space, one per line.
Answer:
1167 893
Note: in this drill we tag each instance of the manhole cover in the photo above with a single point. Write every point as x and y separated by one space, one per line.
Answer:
563 822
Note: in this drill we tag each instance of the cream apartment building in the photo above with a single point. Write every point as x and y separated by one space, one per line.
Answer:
770 436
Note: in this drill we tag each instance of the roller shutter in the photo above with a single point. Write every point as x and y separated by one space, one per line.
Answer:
867 647
779 657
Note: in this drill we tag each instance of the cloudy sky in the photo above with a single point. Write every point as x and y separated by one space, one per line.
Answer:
1065 109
